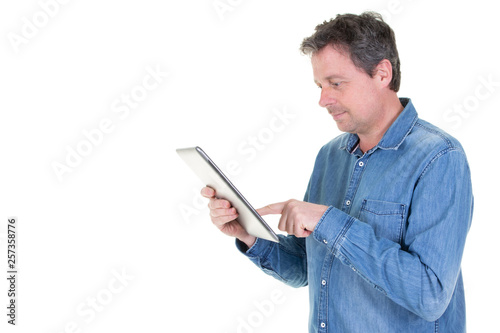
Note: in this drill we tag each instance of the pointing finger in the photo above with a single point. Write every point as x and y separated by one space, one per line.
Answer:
275 208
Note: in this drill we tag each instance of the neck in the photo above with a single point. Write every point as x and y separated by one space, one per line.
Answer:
388 112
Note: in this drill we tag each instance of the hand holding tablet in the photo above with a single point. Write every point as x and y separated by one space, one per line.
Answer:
234 215
224 217
247 217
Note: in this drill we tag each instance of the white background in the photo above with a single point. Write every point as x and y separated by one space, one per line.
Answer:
130 206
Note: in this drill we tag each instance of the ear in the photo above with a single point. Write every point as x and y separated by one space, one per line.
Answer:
383 73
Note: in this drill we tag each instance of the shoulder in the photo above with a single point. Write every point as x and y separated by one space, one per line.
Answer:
432 138
433 148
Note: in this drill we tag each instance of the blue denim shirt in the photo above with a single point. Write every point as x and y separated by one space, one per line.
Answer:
385 256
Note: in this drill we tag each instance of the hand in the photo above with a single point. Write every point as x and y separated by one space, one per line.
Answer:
223 216
298 218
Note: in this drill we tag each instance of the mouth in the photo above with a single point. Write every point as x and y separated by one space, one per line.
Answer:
336 114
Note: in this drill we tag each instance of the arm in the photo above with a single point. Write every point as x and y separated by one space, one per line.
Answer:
285 261
421 274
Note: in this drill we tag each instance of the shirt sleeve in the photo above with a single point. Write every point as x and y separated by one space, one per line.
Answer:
421 273
285 261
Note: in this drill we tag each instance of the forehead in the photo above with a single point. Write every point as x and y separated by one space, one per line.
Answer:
332 62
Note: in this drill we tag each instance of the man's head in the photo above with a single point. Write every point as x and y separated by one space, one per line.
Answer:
365 38
355 64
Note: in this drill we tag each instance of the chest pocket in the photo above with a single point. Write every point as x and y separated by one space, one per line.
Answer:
386 218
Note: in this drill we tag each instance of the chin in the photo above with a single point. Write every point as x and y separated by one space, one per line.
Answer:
345 128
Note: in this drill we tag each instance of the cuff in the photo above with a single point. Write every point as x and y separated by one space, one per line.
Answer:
332 227
258 249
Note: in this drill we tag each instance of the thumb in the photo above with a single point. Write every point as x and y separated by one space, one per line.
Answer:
275 208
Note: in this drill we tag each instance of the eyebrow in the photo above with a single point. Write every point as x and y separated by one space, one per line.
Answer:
333 76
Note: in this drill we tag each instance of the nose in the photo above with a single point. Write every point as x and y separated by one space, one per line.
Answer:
327 97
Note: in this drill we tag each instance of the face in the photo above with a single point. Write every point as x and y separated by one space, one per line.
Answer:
349 94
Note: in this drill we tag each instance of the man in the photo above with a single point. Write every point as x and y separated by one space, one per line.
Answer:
380 234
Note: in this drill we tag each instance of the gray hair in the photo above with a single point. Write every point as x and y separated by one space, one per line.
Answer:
366 38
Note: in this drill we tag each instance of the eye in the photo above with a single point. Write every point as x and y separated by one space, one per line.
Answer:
336 84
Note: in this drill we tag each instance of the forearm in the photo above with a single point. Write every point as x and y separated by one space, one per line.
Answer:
420 287
285 261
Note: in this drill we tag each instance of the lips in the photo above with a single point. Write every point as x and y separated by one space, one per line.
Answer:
336 114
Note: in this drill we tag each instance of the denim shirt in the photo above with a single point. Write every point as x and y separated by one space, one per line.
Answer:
386 254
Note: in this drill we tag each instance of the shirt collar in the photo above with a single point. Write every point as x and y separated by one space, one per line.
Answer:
394 136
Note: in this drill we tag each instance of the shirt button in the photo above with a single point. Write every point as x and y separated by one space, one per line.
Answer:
323 282
323 325
324 241
361 163
348 202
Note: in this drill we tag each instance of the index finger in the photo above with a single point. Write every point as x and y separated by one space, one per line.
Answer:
275 208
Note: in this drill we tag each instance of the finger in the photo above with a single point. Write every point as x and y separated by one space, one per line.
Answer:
220 221
290 225
208 192
218 203
223 212
306 233
275 208
282 225
300 230
302 233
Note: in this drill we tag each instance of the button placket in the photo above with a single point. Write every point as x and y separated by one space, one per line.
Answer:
355 179
323 295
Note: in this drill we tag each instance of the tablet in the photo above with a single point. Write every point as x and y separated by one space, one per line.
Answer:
213 177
